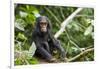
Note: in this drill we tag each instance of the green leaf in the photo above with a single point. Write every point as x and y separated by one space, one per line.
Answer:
32 50
20 27
88 30
23 14
20 24
27 7
21 36
33 61
88 21
76 27
18 62
74 49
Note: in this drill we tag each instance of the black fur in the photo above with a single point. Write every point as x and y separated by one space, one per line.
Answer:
45 42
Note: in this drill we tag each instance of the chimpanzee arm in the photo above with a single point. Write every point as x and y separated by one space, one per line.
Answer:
35 39
44 52
51 38
56 44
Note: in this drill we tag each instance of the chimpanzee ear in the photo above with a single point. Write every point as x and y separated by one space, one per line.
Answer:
49 24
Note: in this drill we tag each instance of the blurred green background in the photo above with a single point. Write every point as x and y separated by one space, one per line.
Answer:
77 37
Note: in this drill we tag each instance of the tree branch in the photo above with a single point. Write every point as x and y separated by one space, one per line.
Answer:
67 21
89 16
83 52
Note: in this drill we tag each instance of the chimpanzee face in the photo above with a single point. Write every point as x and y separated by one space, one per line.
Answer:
43 24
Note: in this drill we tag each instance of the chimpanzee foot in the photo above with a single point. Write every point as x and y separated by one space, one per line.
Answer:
64 59
53 60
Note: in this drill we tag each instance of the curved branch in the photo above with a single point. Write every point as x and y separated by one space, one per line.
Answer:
67 21
77 56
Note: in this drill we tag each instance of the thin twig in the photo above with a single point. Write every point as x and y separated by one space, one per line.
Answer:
72 41
89 16
62 14
52 14
82 53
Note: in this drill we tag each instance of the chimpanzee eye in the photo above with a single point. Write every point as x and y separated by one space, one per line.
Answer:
43 23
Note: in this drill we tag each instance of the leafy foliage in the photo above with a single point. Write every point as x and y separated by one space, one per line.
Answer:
77 36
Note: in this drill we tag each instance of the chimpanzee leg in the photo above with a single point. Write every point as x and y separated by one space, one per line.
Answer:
60 48
44 53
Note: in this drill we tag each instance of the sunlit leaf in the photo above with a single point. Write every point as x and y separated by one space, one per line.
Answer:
74 48
18 26
23 14
27 7
88 30
21 36
32 50
88 20
76 27
36 13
